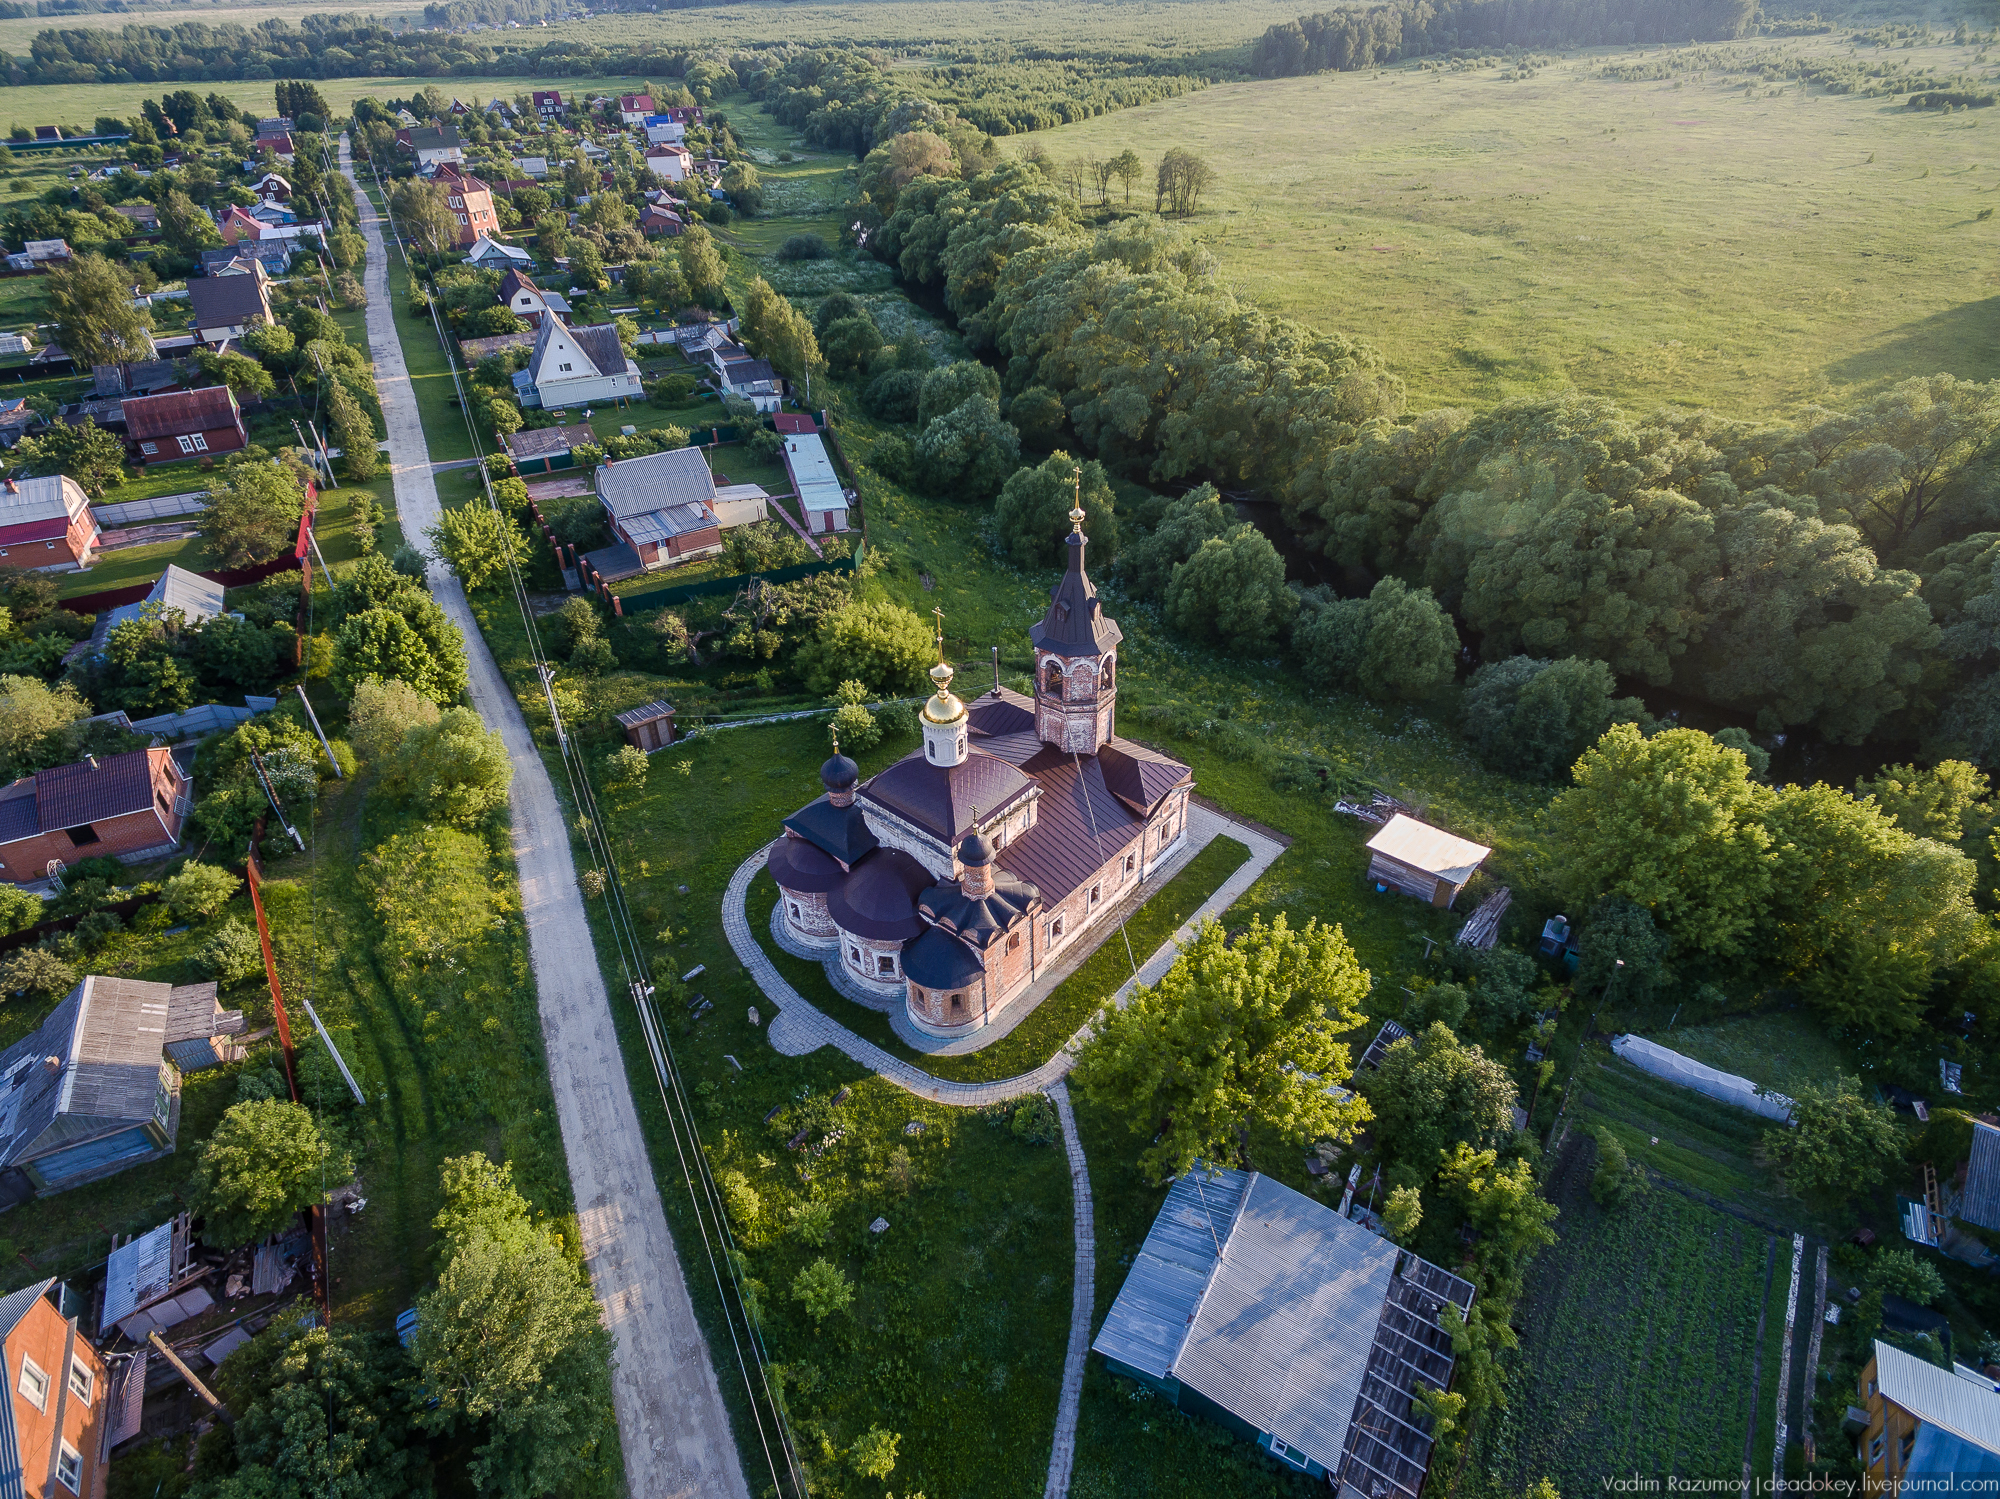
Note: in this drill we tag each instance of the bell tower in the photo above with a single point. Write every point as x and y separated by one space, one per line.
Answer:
1076 657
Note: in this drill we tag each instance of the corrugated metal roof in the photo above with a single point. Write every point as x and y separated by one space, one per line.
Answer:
1967 1408
1979 1203
179 411
128 1397
939 799
1430 849
1155 1307
812 472
1079 825
667 522
1284 1334
108 1034
224 301
45 497
137 1275
544 441
637 486
16 1304
68 796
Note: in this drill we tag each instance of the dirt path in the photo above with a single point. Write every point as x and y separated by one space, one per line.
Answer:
672 1426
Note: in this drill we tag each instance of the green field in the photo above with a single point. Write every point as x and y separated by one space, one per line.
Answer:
1639 1344
1671 241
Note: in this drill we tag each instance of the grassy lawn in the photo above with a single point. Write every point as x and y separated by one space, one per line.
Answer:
1638 1338
1636 240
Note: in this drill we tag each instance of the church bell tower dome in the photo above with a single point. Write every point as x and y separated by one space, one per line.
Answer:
1076 657
943 716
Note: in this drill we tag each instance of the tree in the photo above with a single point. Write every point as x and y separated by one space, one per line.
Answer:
511 1343
1411 648
1183 178
1864 913
86 452
1431 1091
1532 718
479 542
822 1289
873 1454
701 263
969 452
382 712
1177 535
1905 449
1402 1212
231 954
90 300
882 645
1673 824
781 333
353 430
423 212
252 513
1234 1033
950 386
899 161
1503 1205
1032 513
196 892
266 1160
851 344
37 724
1128 169
454 770
319 1411
239 372
744 186
1232 593
186 228
36 970
1900 1273
1841 1142
625 769
1952 801
411 640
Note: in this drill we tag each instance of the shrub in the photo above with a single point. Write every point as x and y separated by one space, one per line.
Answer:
593 657
198 891
1616 1181
1401 1214
855 728
265 1161
625 768
1035 1120
740 1197
232 954
822 1289
805 247
97 928
813 1223
18 909
37 971
897 721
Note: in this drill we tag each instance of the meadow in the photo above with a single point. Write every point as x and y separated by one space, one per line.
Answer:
1506 231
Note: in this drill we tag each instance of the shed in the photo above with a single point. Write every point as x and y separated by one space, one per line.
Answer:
1417 859
650 727
149 1282
1269 1313
547 449
1979 1203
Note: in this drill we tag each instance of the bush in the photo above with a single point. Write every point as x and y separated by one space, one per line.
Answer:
198 891
813 1223
822 1289
1616 1181
231 955
18 909
805 247
625 768
1035 1120
897 721
37 971
855 728
740 1198
98 928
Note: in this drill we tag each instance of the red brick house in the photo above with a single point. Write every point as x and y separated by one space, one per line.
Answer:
46 524
471 200
184 423
123 805
52 1442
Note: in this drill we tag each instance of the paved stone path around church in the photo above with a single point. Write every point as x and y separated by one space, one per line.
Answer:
672 1426
801 1026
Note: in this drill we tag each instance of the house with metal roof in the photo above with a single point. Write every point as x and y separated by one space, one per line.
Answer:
543 450
585 366
130 806
1256 1307
950 881
179 424
56 1412
176 592
662 507
227 307
97 1088
46 524
1418 859
1978 1201
491 254
822 496
1925 1423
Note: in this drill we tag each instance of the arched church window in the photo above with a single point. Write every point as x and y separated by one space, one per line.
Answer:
1104 679
1052 678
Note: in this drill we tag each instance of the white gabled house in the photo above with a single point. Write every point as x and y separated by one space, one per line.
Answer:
577 367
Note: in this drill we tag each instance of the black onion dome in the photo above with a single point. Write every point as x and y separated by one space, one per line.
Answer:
839 773
878 899
976 851
980 919
938 960
804 867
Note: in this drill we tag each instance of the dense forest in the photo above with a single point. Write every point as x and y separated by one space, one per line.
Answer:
1343 40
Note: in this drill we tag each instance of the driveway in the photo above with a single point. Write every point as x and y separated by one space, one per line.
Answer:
671 1421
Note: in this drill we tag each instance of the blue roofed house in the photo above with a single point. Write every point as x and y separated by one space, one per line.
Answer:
1263 1310
1926 1423
97 1088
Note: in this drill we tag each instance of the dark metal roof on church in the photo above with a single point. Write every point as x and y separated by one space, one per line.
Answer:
878 899
841 831
1076 624
802 866
940 800
1079 825
938 960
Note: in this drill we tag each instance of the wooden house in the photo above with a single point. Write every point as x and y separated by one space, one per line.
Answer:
1925 1424
1417 859
650 727
186 423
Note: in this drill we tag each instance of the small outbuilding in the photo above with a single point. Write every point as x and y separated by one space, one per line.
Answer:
547 449
151 1282
650 727
1417 859
1979 1200
1260 1309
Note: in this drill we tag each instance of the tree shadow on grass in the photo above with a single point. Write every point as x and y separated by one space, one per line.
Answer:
1962 341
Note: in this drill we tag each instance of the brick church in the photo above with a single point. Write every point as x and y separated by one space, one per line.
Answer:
951 880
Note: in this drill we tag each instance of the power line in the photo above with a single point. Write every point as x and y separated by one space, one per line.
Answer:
703 1194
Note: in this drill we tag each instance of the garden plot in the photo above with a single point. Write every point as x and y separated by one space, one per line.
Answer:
1639 1343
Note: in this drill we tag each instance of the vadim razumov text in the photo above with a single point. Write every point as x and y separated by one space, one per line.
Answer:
1817 1483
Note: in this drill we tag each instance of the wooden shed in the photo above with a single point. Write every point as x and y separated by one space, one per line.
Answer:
1418 859
650 727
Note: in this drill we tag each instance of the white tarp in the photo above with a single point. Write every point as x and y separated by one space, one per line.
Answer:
1686 1072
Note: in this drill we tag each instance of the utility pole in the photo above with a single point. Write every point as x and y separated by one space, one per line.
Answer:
221 1410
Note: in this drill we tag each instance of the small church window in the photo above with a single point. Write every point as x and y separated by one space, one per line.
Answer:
1014 942
1104 683
854 955
1095 892
930 749
885 965
961 744
958 1004
795 911
1052 679
1055 931
1131 862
